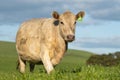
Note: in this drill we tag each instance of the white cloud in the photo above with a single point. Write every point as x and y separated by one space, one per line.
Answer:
20 10
90 42
97 45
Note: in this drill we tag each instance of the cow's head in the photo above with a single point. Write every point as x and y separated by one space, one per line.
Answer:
67 23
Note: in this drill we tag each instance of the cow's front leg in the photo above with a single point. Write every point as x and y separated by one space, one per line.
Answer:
59 53
57 58
46 61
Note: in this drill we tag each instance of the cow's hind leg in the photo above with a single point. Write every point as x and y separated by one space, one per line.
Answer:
32 66
17 67
21 65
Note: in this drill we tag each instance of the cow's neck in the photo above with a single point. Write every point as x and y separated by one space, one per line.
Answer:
66 44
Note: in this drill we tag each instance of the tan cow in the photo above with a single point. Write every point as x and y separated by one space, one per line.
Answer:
44 41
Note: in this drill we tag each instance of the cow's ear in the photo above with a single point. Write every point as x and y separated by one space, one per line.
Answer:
55 15
80 14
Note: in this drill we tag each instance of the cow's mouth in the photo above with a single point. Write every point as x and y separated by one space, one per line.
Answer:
70 40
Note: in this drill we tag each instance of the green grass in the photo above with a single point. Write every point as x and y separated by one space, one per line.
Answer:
72 67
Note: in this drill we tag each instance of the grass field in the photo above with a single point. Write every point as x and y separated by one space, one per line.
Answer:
72 67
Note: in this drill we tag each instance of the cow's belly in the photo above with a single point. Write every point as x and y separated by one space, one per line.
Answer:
30 51
30 57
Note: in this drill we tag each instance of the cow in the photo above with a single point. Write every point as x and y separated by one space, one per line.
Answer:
45 40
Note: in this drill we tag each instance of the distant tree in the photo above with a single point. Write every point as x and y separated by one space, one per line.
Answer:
104 59
117 54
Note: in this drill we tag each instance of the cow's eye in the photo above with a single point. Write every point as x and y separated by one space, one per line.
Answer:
61 22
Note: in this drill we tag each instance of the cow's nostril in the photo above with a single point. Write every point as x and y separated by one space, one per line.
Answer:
71 37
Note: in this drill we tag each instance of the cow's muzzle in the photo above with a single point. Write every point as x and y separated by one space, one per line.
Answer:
70 38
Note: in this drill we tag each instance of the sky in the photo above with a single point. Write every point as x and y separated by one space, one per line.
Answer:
99 32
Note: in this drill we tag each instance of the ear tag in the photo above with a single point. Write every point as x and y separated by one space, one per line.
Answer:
56 22
80 19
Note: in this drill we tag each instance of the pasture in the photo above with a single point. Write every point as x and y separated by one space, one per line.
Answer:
72 67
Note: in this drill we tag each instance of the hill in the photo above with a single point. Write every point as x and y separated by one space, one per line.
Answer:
72 67
8 56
